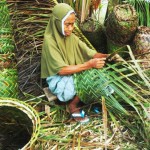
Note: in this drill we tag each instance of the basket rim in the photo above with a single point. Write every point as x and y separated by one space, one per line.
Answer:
30 112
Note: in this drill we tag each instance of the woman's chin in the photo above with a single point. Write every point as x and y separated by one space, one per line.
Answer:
67 34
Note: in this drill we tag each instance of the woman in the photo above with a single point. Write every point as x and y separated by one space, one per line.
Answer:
63 54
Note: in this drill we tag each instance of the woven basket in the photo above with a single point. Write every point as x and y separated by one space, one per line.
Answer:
95 34
142 45
8 83
27 110
122 24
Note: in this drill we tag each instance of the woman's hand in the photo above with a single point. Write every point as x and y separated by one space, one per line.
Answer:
92 63
100 55
96 62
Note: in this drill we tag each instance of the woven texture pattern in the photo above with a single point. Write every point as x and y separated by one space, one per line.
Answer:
6 41
8 75
142 45
8 83
6 45
122 24
6 61
4 15
29 111
92 84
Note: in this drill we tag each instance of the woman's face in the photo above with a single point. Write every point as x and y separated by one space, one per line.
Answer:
69 24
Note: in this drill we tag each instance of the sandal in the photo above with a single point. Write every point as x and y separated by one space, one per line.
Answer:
80 117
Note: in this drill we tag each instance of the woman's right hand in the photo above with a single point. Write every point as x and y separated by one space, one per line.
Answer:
92 63
96 62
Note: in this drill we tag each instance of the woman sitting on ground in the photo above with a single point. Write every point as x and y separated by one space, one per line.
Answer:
64 54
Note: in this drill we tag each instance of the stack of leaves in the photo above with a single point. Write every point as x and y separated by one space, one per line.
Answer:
142 46
8 73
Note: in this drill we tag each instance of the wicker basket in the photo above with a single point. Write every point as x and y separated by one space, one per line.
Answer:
142 40
142 46
122 24
27 110
9 83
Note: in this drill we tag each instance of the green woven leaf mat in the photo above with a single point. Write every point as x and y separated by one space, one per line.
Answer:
112 83
4 14
9 83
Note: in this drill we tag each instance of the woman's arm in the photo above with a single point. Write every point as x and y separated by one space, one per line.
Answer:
93 63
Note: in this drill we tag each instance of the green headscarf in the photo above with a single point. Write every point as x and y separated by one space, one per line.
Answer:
59 51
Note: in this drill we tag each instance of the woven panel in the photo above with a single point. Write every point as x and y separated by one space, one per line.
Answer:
8 83
142 40
6 41
6 61
92 84
4 15
122 24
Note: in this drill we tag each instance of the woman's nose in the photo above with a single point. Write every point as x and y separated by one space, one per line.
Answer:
71 27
